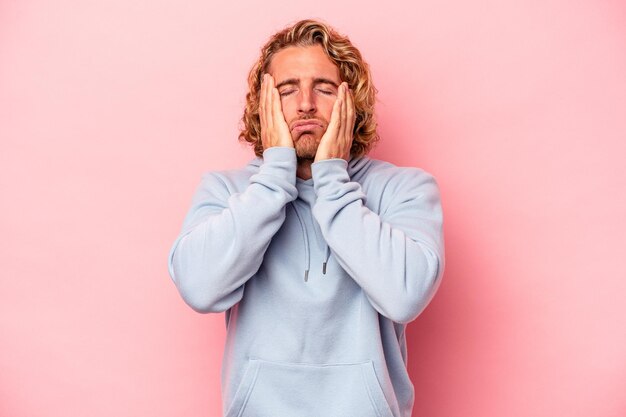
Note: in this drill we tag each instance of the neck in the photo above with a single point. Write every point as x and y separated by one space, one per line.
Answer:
304 169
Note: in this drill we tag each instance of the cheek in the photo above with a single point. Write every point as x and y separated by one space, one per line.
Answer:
288 107
326 109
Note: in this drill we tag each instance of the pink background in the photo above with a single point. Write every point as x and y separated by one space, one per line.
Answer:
111 110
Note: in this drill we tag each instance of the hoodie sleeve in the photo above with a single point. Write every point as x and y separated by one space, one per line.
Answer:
225 234
397 257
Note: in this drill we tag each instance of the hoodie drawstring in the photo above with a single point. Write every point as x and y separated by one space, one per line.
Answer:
305 238
326 259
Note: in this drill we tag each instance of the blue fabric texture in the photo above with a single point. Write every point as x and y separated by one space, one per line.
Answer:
318 279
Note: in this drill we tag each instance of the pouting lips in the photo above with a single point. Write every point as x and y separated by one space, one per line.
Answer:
306 125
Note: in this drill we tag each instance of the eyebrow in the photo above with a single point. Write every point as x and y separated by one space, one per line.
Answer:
295 81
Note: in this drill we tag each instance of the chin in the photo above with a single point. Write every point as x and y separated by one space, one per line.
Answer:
305 153
306 146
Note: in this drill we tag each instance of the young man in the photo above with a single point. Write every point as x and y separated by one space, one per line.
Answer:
319 255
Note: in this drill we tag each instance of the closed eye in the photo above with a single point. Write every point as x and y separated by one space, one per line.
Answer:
286 92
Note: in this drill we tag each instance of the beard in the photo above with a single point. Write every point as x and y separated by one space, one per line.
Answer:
306 145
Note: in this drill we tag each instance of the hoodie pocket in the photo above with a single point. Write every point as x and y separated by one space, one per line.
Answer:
275 389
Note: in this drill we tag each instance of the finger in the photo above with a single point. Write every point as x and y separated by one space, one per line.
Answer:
335 116
262 100
350 122
265 132
351 111
342 119
277 109
268 108
269 111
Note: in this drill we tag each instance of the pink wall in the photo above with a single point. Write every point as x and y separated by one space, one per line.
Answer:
111 110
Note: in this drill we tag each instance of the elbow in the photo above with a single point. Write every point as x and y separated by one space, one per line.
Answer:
408 306
402 317
401 308
404 312
195 299
200 307
198 293
203 300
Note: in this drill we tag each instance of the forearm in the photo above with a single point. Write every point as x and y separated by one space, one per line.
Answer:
398 261
225 234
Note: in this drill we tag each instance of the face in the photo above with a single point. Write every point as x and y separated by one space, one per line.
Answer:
307 81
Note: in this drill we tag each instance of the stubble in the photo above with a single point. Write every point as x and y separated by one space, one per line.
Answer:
306 146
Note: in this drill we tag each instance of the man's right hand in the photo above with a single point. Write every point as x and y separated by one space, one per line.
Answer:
274 129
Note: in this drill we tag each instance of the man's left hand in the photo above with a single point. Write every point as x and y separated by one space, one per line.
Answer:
337 140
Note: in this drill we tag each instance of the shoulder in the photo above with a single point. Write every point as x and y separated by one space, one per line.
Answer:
230 180
389 186
384 176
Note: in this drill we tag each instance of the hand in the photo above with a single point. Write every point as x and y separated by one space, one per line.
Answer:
274 129
337 140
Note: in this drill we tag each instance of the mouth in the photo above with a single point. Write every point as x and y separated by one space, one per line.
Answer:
306 125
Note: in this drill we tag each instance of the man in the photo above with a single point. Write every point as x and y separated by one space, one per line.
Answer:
319 255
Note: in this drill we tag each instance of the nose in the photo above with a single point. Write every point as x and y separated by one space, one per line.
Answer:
306 102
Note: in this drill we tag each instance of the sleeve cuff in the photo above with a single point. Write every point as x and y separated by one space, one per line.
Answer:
280 161
329 174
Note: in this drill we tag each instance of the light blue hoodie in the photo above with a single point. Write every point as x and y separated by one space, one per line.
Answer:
318 279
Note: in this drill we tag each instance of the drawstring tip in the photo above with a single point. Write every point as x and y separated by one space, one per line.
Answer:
306 275
324 268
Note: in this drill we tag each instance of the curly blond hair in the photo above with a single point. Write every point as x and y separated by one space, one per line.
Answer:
352 69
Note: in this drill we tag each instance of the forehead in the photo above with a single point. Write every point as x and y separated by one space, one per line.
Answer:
302 62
